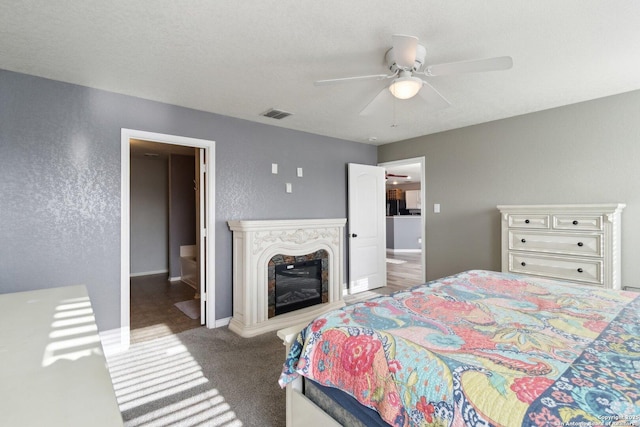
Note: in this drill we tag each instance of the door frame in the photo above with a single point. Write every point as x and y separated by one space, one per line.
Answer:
125 249
423 219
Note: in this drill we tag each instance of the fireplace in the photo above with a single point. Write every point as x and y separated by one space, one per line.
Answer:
297 282
285 272
298 285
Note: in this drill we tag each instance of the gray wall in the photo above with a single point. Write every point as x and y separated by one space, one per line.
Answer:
182 208
60 182
403 232
149 212
584 153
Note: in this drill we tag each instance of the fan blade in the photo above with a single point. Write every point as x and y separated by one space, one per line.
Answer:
375 106
352 79
404 50
432 97
473 66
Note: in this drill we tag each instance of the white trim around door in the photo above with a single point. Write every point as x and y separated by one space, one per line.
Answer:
209 147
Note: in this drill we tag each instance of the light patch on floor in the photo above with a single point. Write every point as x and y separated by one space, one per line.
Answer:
157 370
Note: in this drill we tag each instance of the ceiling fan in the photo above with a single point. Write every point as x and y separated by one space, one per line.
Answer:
388 175
405 60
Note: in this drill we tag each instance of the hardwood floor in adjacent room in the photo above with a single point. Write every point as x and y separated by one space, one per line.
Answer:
153 313
404 270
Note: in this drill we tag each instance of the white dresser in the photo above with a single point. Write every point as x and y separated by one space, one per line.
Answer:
52 368
576 243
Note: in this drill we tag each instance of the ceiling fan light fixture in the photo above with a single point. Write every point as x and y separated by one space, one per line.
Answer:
405 87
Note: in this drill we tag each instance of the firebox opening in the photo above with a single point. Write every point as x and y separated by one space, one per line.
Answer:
298 285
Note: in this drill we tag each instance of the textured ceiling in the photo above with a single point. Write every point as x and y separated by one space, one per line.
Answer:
240 58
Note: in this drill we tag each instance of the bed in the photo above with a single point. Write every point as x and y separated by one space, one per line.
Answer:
474 349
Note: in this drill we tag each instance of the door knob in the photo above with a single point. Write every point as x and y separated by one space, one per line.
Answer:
354 235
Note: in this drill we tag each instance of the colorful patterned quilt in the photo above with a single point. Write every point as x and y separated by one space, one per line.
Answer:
482 348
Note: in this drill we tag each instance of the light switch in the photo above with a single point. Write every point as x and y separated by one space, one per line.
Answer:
436 208
299 172
289 188
274 168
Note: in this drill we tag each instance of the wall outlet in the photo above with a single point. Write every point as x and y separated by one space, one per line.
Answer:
288 187
299 172
436 208
274 168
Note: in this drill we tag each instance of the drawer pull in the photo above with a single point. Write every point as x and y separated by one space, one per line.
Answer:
523 241
580 244
526 221
575 222
523 263
580 270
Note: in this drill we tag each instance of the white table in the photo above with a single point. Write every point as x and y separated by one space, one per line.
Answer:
52 368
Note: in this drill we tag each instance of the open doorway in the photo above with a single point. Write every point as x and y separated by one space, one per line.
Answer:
164 288
167 195
405 222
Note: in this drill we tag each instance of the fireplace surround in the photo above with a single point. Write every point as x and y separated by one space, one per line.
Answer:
259 246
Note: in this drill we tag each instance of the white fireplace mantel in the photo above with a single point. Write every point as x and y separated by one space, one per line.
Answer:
255 243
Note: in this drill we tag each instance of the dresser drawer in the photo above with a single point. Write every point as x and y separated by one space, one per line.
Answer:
559 243
529 221
574 269
577 222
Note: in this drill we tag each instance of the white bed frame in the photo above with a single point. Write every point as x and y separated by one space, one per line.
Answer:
301 412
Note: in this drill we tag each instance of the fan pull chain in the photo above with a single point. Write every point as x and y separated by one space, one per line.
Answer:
394 124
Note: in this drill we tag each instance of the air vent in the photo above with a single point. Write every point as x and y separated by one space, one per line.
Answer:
276 114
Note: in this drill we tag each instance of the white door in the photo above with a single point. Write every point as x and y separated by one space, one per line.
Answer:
367 228
201 221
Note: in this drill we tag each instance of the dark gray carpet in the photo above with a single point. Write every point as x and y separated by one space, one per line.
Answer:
208 377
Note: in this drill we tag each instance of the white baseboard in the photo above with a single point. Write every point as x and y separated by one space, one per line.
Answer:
175 279
395 251
147 273
115 341
221 322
